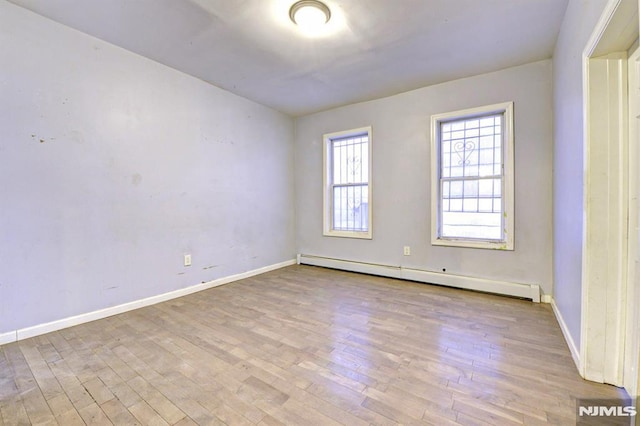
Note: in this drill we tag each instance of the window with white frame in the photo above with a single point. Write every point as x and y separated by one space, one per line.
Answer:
347 185
472 190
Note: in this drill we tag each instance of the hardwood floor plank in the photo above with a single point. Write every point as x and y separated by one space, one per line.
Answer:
60 405
146 415
92 414
347 400
487 411
156 400
303 345
230 404
186 422
376 398
305 398
388 410
125 394
467 420
198 413
98 391
118 413
31 397
70 418
12 412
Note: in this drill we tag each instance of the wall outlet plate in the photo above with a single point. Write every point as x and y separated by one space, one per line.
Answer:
407 251
187 260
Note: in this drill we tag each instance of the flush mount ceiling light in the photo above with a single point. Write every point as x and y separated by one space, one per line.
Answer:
310 15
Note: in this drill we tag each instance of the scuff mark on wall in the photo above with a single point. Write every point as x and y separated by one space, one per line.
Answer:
42 140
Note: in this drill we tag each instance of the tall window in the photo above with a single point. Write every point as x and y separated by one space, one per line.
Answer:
347 194
472 177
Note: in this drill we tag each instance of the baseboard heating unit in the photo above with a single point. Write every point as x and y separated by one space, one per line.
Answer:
525 291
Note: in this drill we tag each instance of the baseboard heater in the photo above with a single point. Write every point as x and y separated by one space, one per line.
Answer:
526 291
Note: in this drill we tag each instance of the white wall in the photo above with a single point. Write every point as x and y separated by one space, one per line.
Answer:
112 166
579 21
401 180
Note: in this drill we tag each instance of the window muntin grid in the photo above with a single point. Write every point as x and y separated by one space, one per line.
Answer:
471 178
349 187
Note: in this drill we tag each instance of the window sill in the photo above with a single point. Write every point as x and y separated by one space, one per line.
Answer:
349 234
478 244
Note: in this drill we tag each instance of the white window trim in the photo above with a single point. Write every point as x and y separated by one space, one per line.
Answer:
508 188
326 202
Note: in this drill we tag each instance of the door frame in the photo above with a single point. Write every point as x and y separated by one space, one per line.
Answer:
631 373
606 267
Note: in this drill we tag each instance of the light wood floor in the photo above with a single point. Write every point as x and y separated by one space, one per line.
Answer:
303 346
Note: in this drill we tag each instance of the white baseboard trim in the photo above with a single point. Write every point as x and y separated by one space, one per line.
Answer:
575 353
8 337
40 329
528 291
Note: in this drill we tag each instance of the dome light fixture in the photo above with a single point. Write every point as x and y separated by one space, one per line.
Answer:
310 15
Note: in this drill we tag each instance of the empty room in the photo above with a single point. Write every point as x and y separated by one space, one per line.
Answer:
281 212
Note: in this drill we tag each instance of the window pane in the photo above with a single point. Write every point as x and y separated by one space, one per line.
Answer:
497 187
337 163
470 205
457 135
485 188
497 205
456 189
485 205
471 189
351 160
472 124
497 156
445 149
456 171
484 226
488 121
486 170
472 158
463 152
351 208
486 156
455 205
445 189
487 131
486 142
472 208
471 132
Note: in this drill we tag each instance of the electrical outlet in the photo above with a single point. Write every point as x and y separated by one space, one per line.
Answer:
407 251
187 260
